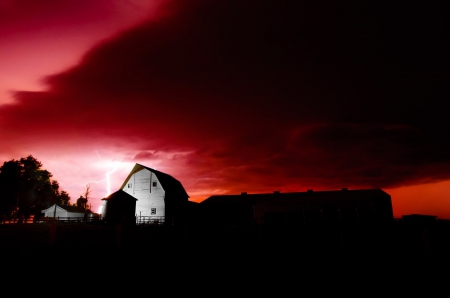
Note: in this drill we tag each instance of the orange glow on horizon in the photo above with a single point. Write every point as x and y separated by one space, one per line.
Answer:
429 199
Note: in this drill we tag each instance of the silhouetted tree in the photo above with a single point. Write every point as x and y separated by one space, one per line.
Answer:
84 198
10 186
82 202
26 188
64 198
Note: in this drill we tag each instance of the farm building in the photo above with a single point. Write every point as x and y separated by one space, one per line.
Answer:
297 208
119 207
57 211
158 197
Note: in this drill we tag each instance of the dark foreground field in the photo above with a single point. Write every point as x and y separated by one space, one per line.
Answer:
147 245
206 260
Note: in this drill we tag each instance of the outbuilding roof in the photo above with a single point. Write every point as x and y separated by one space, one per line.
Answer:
120 195
73 209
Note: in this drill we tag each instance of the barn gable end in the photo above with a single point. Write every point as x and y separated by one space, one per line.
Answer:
158 196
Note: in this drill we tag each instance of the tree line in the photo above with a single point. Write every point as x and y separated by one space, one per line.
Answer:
26 189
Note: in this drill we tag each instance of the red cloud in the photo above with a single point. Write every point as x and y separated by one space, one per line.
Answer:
265 95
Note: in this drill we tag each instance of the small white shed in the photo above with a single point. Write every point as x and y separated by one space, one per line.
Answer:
62 212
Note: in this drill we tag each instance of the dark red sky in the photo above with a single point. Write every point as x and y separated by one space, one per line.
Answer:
232 96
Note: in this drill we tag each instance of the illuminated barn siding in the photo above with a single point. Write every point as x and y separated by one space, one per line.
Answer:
145 186
156 196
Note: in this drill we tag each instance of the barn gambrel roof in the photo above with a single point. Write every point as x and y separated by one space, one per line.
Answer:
169 183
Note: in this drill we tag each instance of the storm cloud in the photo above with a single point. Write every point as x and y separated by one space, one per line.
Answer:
262 95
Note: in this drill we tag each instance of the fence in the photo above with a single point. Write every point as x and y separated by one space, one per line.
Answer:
32 220
16 220
140 220
68 219
150 220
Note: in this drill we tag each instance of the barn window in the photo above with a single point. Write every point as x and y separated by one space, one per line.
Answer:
153 210
154 184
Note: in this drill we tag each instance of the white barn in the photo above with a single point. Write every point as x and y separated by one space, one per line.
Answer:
62 212
159 196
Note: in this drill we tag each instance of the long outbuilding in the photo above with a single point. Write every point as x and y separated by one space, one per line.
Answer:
58 211
297 208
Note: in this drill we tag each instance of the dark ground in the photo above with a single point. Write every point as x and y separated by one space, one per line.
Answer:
213 255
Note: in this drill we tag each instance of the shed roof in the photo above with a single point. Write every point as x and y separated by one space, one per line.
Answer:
73 209
119 195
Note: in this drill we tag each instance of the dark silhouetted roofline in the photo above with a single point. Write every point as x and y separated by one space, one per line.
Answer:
338 194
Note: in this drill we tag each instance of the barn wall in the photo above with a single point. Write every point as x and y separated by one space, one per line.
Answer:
328 210
103 210
146 188
75 214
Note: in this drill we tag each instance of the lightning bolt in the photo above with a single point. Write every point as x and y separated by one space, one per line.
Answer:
108 181
92 181
107 178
